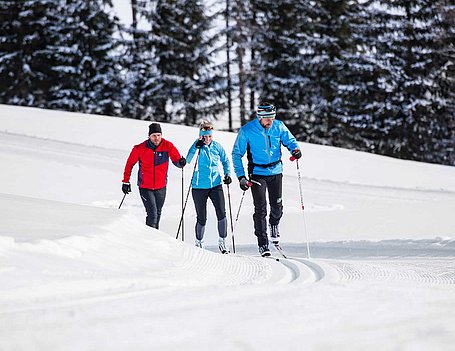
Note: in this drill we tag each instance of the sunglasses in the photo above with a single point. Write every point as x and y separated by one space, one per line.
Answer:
206 128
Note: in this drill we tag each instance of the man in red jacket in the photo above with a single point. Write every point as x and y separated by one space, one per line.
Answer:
153 156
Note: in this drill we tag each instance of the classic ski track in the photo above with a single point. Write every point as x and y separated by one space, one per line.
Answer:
311 271
427 271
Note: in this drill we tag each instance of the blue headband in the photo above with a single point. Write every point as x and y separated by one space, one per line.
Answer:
205 132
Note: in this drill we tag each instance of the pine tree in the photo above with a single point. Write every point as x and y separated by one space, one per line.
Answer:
86 67
188 80
278 43
414 118
25 36
139 64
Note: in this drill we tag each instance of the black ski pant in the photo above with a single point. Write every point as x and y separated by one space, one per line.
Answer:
153 201
274 186
216 195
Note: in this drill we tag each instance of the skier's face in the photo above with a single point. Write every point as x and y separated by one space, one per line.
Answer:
155 138
266 122
207 139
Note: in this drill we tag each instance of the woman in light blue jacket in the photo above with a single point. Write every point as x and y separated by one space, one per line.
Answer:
207 184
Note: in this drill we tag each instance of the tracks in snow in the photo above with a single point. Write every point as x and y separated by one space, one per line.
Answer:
424 271
428 271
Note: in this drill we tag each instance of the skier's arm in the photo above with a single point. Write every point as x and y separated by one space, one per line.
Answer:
191 152
288 139
175 156
132 159
238 151
224 161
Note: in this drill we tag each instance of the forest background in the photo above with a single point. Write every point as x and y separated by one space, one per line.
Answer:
376 76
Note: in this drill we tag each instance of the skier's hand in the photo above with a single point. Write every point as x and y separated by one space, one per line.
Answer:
244 183
200 144
227 179
182 162
126 188
296 154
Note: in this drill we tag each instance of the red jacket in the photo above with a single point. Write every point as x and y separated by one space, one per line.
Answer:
153 164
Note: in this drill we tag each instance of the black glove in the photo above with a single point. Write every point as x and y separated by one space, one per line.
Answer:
296 154
182 162
244 183
227 179
126 188
200 144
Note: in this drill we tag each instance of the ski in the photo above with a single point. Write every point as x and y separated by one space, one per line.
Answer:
272 258
280 250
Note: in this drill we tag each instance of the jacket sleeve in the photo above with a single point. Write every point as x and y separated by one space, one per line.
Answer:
132 159
191 152
224 161
238 151
288 139
174 154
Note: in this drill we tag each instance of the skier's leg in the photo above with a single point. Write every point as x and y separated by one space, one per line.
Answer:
160 196
275 188
216 195
200 203
260 210
148 199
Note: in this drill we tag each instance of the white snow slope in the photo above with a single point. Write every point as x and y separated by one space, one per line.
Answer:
77 273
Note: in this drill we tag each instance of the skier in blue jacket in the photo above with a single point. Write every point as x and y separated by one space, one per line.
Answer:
207 183
261 139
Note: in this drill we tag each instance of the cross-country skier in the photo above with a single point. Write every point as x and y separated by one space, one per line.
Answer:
206 183
261 139
153 155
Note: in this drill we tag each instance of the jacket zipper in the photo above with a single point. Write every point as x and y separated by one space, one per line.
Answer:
210 165
154 169
267 144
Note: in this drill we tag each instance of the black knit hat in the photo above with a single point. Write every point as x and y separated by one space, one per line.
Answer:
154 128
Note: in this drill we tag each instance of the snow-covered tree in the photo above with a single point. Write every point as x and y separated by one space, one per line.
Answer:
412 108
277 42
139 64
86 65
25 56
190 85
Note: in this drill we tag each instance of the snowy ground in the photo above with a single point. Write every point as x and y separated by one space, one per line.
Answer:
76 273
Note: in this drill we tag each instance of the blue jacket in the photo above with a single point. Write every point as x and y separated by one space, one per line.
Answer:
207 173
263 147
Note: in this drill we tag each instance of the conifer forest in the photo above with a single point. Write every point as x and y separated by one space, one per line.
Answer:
376 76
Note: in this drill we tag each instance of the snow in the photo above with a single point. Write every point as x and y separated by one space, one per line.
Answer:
77 273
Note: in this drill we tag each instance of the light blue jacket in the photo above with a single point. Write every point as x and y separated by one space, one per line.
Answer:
207 173
263 147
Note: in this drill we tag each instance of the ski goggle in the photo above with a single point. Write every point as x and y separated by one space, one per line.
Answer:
207 128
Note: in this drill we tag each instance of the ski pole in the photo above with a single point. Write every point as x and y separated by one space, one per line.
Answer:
230 216
302 205
122 201
187 195
238 211
250 183
183 223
